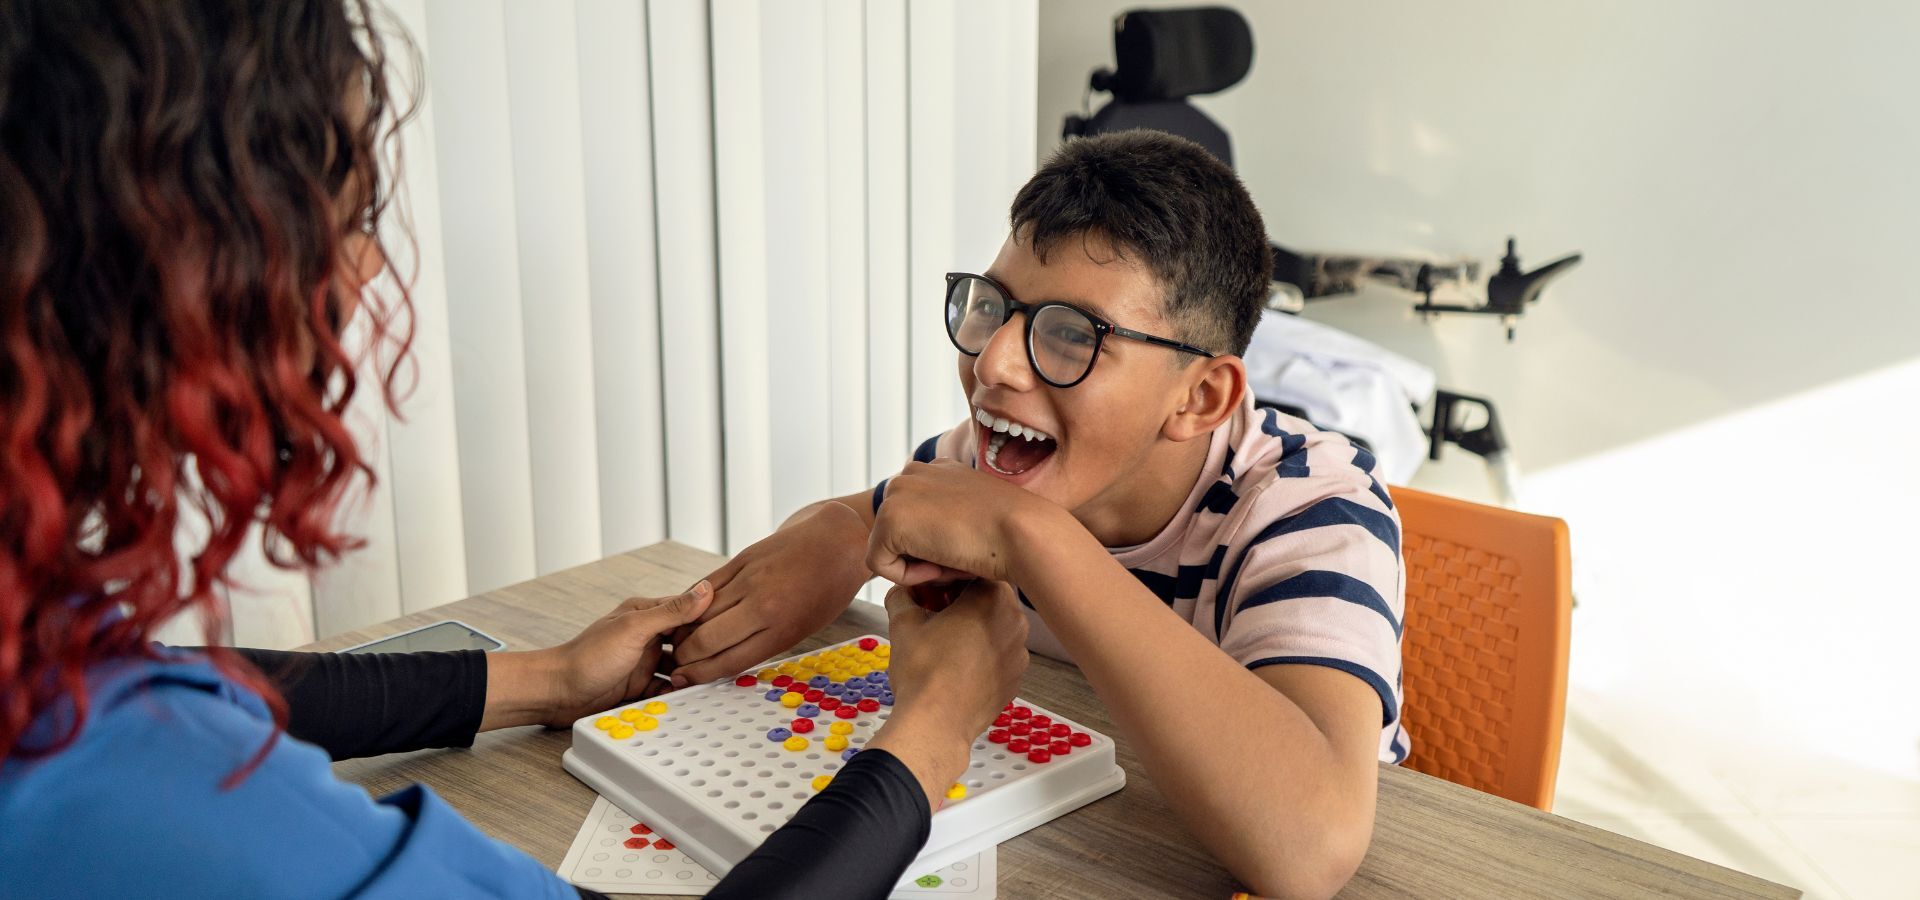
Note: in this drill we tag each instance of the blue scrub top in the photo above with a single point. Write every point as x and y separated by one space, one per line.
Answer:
134 807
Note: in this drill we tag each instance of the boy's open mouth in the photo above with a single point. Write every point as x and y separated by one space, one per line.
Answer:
1011 448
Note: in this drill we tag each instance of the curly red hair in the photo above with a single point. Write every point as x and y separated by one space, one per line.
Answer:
180 186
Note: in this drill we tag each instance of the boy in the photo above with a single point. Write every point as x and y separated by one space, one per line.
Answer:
1228 579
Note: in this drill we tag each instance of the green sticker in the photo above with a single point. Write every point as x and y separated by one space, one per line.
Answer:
928 881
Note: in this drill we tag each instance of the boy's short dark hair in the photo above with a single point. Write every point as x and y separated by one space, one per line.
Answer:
1165 202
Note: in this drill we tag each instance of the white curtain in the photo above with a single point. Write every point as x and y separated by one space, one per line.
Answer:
679 272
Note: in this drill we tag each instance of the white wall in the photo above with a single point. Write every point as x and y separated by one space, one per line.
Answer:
1737 175
1720 400
673 279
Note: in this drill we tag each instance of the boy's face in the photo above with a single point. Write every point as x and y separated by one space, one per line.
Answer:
1109 423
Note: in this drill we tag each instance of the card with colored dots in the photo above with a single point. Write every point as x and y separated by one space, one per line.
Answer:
615 854
720 766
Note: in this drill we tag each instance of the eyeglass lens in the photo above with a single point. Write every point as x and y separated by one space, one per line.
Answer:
1063 338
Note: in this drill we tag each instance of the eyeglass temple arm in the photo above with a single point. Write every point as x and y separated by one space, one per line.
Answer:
1164 342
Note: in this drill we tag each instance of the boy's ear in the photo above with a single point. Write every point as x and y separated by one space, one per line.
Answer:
1214 388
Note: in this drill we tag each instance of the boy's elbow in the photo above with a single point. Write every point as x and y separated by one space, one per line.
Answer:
1319 869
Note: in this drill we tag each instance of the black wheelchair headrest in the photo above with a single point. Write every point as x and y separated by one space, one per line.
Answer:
1171 54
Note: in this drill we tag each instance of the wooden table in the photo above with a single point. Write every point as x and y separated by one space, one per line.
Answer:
1431 838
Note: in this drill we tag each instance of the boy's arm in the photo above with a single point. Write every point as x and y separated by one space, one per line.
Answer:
776 592
788 585
1274 770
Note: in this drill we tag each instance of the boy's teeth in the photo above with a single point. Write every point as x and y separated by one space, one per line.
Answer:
1007 426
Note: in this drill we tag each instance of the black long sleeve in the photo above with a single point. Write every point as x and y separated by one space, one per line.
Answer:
366 704
854 839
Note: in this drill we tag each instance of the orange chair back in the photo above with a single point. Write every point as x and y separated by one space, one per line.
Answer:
1489 602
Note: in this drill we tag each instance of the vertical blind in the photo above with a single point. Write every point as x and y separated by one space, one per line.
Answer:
677 273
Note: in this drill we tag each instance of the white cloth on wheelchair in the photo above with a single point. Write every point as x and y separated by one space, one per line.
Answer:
1345 384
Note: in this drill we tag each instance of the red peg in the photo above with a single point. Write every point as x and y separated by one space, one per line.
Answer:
868 704
1020 712
1022 729
1041 721
829 703
814 696
635 843
802 725
868 644
1080 739
640 829
782 680
1039 755
1018 745
1059 730
663 844
1002 720
746 681
1060 748
997 736
846 712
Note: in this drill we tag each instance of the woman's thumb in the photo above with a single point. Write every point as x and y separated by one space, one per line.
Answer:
682 608
903 614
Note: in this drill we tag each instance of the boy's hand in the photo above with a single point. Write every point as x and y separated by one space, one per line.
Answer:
774 593
944 521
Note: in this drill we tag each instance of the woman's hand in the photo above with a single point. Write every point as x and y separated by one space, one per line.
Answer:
607 663
951 672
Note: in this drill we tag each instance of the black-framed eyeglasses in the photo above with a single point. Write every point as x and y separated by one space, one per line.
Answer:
1063 340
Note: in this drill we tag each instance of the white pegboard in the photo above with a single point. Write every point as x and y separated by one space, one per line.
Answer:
609 855
708 773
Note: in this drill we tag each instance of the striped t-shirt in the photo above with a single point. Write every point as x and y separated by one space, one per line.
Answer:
1287 551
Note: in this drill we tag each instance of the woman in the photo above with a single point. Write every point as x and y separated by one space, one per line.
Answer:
190 206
